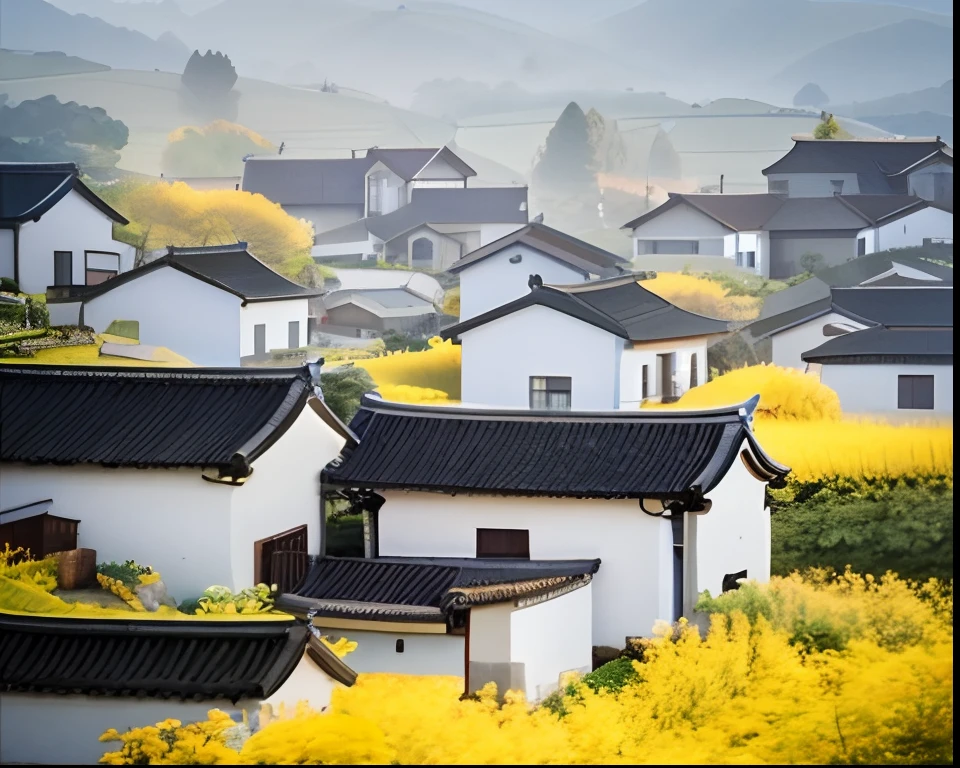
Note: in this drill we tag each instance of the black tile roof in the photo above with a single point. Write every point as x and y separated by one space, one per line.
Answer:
580 255
897 307
809 298
470 205
29 190
231 268
879 345
147 417
618 305
779 213
874 161
620 454
289 181
426 588
162 659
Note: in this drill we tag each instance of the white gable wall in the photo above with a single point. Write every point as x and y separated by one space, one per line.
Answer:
283 492
910 230
75 225
682 221
276 316
646 354
500 357
490 231
788 345
494 281
873 389
636 560
174 310
735 533
438 168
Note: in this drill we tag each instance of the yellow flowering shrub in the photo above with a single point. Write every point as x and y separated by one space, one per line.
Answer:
19 565
748 692
169 742
785 394
218 127
341 647
705 297
437 368
404 393
221 600
121 590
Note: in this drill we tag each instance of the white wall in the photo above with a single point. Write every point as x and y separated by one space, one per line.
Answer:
65 313
363 247
790 344
326 217
499 358
283 492
872 389
816 184
26 723
177 311
683 222
275 315
493 231
72 224
494 281
438 168
423 654
393 189
639 354
170 519
308 683
735 533
6 253
910 230
932 182
626 590
551 638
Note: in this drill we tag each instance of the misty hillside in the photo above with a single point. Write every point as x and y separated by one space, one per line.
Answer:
944 7
35 25
14 66
938 100
727 46
906 56
916 124
151 18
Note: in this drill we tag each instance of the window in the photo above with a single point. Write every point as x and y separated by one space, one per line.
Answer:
672 247
861 246
97 276
374 196
260 339
644 381
915 392
747 259
550 393
399 645
293 334
63 267
836 186
694 374
503 542
778 187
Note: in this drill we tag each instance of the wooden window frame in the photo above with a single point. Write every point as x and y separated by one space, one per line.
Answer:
911 381
487 551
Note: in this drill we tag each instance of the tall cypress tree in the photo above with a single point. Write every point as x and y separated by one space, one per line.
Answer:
565 164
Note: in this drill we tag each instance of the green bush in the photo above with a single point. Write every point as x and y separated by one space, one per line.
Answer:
128 329
342 389
33 333
345 536
9 285
612 676
395 341
899 528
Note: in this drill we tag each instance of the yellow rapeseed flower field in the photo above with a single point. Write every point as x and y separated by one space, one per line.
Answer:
437 368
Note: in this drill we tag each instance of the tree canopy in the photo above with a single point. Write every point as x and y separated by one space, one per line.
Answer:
216 149
567 159
211 75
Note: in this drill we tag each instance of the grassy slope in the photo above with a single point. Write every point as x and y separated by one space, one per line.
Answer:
16 66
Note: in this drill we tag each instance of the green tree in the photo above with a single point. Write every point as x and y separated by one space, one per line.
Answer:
342 389
567 158
810 262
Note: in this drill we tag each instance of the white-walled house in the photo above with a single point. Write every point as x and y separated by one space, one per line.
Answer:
91 675
671 503
54 231
769 234
877 166
520 623
215 305
599 345
852 309
202 474
901 374
499 272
